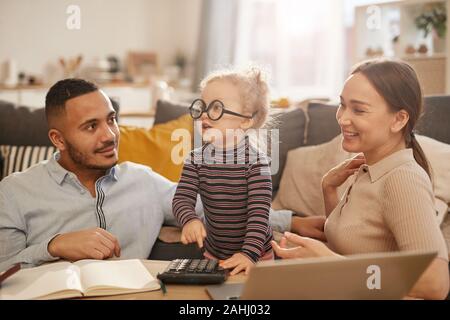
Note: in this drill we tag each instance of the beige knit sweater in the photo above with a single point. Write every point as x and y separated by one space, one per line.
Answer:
389 206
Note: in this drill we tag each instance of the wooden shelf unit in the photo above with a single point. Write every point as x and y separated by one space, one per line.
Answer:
377 25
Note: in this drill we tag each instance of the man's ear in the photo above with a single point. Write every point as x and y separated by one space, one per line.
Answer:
400 120
246 124
57 139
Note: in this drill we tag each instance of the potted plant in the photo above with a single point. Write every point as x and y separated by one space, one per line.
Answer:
433 20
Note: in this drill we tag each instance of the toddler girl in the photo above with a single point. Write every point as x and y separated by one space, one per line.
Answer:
231 175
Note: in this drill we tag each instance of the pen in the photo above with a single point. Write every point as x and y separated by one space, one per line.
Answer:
163 287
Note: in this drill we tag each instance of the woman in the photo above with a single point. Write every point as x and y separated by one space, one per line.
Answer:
389 205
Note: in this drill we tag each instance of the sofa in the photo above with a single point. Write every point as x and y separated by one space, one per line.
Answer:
298 127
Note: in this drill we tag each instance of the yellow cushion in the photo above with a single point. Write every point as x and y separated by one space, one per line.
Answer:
154 147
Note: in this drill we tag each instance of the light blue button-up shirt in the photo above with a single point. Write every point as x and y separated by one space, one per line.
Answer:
132 202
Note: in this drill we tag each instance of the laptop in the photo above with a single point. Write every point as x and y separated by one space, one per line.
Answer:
366 276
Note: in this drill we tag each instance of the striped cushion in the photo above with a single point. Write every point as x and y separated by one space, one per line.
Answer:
19 158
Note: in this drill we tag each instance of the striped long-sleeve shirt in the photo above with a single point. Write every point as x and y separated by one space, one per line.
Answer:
236 191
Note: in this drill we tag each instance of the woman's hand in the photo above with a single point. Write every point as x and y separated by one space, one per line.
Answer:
304 247
193 231
238 261
337 176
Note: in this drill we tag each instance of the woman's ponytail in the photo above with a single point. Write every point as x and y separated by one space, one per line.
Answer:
419 155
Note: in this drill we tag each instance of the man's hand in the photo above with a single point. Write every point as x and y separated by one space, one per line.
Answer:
311 227
93 243
193 231
239 262
303 247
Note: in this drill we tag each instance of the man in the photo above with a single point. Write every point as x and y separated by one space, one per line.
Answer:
82 205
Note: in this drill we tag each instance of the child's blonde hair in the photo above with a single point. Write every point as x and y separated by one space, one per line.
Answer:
254 90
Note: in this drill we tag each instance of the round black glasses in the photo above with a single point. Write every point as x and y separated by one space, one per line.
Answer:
215 110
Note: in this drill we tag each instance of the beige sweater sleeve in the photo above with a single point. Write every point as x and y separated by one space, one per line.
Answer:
409 212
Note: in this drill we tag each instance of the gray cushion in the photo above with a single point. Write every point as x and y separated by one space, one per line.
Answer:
291 127
22 126
435 122
323 125
166 111
322 128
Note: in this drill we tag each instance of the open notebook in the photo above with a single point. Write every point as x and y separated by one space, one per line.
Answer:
83 278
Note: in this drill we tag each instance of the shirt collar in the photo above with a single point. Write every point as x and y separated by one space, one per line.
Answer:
113 172
379 169
59 174
56 171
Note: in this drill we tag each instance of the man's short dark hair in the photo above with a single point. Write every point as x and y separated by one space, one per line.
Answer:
64 90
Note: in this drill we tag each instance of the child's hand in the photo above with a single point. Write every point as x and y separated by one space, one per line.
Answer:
193 231
239 262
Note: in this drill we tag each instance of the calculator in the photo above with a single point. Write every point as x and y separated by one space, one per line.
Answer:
194 271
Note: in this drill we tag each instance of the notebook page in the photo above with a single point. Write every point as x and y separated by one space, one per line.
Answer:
127 274
34 283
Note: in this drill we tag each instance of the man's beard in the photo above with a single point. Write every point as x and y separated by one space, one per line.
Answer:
81 159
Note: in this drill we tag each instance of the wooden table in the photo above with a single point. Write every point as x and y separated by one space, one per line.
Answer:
174 292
